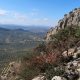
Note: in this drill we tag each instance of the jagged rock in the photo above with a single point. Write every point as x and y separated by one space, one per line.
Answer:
14 67
11 72
74 52
79 79
58 78
72 75
70 52
72 70
75 64
40 77
73 18
3 77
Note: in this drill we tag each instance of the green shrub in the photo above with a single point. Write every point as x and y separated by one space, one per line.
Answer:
65 38
29 72
51 71
62 40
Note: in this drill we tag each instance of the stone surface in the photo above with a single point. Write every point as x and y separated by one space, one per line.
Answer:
73 18
40 77
11 72
58 78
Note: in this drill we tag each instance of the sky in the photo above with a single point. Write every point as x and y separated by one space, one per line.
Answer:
35 12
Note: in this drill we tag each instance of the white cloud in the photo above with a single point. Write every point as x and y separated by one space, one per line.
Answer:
19 16
3 12
45 19
34 9
34 12
11 17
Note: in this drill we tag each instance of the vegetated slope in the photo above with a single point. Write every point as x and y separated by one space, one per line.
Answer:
15 43
59 52
71 19
59 57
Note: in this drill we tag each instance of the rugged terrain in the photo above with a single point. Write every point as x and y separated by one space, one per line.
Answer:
16 42
71 19
57 59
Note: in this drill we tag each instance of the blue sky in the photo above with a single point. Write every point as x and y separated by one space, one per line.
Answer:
35 12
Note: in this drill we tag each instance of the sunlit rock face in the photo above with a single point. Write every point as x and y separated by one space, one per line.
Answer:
70 19
58 78
11 72
40 77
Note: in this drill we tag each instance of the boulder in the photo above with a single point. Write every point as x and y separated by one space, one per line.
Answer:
58 78
40 77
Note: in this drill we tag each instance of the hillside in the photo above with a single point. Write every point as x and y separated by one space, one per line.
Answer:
56 59
59 57
15 43
70 19
20 38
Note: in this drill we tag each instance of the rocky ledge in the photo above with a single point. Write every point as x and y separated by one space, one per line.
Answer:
70 19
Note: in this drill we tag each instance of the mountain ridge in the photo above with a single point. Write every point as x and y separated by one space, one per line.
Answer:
31 28
70 19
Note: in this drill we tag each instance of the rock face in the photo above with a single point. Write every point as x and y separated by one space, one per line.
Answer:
58 78
11 72
73 18
40 77
72 67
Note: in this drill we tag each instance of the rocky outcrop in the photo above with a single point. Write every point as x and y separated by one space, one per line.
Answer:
58 78
40 77
73 18
11 72
72 67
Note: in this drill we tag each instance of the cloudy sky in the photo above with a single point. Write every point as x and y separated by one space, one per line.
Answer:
35 12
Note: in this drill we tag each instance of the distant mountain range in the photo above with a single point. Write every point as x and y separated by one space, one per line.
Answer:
15 40
31 28
21 34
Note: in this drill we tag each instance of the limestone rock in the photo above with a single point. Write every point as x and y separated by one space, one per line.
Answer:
58 78
40 77
11 72
70 19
